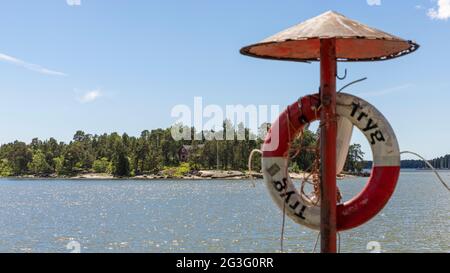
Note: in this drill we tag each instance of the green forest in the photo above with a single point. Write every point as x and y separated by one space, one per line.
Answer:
152 152
442 162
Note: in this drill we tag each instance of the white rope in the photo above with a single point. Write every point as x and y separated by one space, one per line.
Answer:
404 152
254 185
318 236
317 240
283 224
315 244
250 172
339 242
430 166
339 237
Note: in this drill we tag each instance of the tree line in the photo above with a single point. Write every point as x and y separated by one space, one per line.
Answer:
442 162
150 153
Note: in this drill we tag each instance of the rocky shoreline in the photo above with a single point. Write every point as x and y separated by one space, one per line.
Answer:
200 175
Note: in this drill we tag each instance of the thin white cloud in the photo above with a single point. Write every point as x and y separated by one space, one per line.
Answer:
374 2
442 12
386 91
30 66
73 2
90 96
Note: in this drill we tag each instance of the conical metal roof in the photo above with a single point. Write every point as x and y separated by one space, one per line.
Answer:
354 41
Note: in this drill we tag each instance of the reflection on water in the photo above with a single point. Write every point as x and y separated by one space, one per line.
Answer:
203 216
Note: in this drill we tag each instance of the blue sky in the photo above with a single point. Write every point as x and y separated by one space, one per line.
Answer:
104 66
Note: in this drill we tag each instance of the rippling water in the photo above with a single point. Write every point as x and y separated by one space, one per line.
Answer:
204 216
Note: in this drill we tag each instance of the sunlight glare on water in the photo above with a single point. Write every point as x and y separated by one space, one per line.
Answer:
204 216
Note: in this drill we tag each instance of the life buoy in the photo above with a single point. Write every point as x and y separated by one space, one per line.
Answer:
385 170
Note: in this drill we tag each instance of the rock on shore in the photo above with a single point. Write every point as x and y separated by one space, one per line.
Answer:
200 175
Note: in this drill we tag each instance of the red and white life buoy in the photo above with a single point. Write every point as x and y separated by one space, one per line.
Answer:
385 170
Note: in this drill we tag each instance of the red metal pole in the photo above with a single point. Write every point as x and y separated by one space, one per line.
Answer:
328 145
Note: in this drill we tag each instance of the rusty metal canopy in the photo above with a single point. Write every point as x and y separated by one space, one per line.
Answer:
354 41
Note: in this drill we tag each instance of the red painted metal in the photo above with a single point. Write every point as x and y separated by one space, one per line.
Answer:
355 42
328 134
331 37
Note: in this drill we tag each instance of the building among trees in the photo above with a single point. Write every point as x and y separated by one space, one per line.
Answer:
185 151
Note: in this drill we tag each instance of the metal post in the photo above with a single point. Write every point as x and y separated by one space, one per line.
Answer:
328 145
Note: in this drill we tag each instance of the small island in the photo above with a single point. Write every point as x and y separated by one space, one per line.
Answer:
156 155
